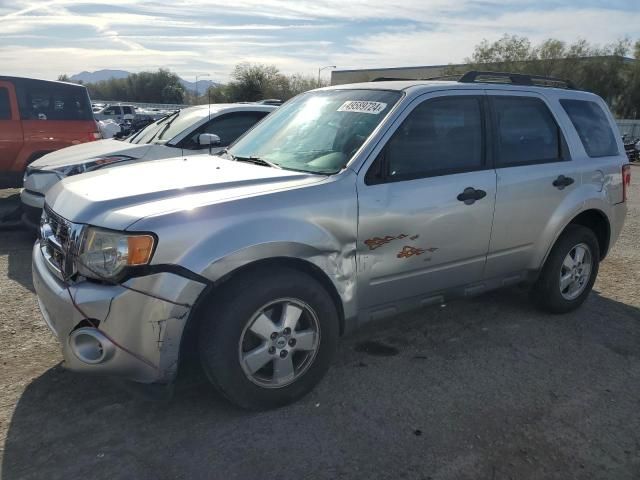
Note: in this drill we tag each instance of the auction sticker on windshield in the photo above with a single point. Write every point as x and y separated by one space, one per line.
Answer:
361 106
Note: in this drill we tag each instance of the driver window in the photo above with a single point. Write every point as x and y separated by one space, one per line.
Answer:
439 137
229 127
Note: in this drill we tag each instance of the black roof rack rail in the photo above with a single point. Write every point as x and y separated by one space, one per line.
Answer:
516 79
453 77
391 79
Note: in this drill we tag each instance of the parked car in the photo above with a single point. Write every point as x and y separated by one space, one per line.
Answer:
117 113
632 148
347 204
38 117
201 129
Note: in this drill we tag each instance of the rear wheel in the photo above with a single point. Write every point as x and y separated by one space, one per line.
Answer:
269 338
570 271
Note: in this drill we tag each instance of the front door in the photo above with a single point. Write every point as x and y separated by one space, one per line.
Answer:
426 203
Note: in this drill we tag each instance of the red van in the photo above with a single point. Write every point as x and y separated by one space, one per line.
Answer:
38 117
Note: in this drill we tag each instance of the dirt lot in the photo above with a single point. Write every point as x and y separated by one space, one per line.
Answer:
487 388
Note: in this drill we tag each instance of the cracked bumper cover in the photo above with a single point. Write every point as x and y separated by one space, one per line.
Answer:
148 327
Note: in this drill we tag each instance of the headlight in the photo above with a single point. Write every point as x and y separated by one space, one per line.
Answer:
92 164
107 254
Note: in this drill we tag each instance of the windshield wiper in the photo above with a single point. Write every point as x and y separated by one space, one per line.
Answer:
161 131
255 161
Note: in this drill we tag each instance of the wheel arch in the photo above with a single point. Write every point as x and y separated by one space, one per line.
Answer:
211 292
293 263
592 218
595 220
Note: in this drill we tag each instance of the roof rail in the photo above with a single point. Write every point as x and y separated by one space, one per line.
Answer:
475 76
453 77
391 79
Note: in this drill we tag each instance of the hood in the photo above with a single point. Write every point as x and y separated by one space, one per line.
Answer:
78 154
117 197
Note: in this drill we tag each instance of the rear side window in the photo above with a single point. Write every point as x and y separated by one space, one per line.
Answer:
51 101
526 131
592 126
127 110
440 136
5 107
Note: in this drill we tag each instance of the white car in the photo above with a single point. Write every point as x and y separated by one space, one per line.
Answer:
194 130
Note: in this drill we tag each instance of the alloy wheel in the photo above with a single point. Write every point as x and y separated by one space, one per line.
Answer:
279 343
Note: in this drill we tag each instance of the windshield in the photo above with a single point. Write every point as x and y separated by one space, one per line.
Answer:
185 119
318 131
149 132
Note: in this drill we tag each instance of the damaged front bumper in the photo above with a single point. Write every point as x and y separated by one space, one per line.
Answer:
137 336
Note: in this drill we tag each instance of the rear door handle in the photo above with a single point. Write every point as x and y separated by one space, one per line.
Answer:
470 195
562 182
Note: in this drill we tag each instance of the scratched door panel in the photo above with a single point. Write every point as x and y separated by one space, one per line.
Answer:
416 237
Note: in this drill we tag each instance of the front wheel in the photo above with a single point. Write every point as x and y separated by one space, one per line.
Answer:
569 272
269 338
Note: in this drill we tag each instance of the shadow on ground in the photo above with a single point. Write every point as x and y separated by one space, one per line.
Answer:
16 244
485 388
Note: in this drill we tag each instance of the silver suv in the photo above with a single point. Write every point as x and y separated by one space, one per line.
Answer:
347 204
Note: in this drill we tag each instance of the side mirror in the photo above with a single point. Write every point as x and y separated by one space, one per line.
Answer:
208 139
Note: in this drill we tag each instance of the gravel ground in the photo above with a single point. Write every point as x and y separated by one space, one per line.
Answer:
486 388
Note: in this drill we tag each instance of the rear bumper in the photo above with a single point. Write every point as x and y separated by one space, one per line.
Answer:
141 334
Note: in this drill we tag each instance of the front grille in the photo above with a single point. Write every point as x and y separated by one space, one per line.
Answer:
58 239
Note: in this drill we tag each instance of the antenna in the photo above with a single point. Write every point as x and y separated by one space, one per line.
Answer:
208 121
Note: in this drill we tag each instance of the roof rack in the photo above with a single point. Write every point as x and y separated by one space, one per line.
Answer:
391 79
475 76
454 78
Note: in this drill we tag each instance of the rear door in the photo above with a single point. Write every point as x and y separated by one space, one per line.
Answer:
426 204
11 136
54 116
535 174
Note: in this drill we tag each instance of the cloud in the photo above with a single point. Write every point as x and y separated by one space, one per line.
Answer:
47 38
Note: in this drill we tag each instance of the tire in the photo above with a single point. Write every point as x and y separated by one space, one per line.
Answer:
227 335
548 293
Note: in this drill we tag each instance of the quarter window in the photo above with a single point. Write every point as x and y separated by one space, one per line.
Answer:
526 132
592 126
440 136
41 101
5 107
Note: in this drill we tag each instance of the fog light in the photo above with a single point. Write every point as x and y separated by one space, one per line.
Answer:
90 345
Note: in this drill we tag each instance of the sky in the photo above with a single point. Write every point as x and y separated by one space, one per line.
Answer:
44 39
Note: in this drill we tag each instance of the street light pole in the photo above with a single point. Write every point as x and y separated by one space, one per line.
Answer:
198 76
323 68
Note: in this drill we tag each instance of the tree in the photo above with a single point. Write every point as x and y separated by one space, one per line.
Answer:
161 86
253 82
605 70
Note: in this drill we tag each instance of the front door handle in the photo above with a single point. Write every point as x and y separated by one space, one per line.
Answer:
562 182
470 195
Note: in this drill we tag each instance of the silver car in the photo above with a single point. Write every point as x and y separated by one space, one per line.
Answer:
348 204
194 130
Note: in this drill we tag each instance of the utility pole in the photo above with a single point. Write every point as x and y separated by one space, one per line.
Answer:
323 68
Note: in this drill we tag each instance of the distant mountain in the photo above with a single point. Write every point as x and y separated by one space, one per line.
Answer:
92 77
202 85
